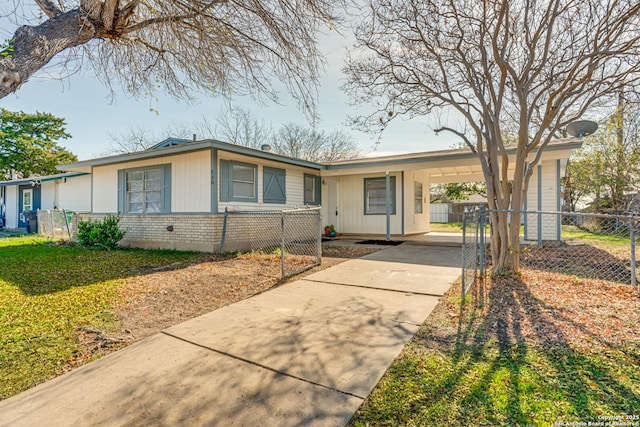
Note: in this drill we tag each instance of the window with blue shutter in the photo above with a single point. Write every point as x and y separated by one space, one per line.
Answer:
238 181
145 190
274 189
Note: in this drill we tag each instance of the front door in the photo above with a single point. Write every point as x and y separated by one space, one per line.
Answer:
28 200
332 203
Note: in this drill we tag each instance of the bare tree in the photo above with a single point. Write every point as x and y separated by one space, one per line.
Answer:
531 66
314 145
182 46
240 127
137 138
140 138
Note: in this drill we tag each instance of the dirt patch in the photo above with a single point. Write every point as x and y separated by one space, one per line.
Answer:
541 308
160 297
551 308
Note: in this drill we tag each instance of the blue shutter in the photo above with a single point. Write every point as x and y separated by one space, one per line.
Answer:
121 191
274 185
166 188
225 181
318 189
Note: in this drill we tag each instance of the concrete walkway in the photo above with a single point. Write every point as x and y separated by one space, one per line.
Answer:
304 354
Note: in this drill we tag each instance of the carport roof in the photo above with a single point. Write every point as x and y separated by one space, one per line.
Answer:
173 146
438 156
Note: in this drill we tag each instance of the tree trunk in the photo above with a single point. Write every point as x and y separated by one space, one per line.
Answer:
505 224
33 47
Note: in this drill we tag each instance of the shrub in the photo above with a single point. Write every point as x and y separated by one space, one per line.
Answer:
104 233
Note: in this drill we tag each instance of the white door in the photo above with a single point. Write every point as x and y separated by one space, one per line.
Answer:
332 202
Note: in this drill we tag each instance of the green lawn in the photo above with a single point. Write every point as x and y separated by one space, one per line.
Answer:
443 227
482 385
459 373
46 291
603 241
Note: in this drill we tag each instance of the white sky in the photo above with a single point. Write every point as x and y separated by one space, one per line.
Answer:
83 102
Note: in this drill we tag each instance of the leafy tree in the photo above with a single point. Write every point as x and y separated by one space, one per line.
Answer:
607 168
29 144
218 47
526 67
456 191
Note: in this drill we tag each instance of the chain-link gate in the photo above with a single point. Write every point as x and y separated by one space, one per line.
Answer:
295 235
473 246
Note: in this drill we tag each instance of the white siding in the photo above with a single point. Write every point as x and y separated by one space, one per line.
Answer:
294 184
190 182
549 197
12 207
352 217
75 194
47 195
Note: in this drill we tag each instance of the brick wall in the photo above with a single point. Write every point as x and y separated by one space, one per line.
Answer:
190 232
204 232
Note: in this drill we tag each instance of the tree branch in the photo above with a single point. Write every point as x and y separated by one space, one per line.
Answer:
49 8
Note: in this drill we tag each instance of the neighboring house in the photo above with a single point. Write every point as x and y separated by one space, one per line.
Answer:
69 191
174 194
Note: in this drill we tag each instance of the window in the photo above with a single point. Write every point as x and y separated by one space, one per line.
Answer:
27 200
243 178
311 189
144 190
238 181
417 191
274 185
375 196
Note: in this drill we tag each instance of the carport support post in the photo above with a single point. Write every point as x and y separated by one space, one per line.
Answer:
388 203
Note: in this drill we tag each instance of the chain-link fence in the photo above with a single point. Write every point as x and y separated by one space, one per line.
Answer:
56 223
591 246
293 235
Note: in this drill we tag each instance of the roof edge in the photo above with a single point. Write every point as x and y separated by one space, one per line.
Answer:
190 147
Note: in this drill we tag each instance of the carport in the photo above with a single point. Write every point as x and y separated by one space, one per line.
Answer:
389 195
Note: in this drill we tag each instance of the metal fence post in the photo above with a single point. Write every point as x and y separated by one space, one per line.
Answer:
482 243
539 227
66 222
282 244
476 243
464 243
318 238
224 230
633 254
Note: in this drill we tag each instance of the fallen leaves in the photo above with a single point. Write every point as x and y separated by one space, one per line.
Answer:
553 308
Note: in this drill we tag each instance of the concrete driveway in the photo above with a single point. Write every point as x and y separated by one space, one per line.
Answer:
304 354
